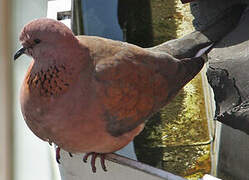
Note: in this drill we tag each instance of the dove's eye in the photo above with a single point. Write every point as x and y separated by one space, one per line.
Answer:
37 41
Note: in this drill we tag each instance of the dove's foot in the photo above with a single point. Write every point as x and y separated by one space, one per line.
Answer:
58 156
93 160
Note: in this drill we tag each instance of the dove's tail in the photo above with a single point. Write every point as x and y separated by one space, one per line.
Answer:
190 67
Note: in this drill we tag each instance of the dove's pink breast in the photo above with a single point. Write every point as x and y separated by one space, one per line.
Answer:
69 116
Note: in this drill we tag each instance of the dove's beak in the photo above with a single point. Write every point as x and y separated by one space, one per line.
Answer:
19 53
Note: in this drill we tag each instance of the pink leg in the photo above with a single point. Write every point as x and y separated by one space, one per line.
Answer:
93 160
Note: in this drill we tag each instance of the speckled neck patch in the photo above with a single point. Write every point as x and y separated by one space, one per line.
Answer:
52 82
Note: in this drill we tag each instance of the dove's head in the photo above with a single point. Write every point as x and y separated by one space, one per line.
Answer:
45 38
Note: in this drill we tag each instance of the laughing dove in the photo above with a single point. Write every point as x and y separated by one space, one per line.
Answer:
91 94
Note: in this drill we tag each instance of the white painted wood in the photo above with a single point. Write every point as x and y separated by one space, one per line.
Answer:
5 94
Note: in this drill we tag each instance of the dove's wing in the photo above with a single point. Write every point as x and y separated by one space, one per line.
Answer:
133 83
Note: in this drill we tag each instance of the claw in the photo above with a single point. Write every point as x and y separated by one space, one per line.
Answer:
49 142
58 149
70 154
93 160
85 157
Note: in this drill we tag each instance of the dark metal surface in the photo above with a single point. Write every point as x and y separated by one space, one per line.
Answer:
228 77
77 18
187 1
